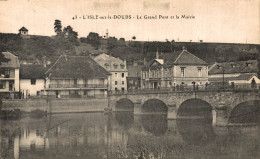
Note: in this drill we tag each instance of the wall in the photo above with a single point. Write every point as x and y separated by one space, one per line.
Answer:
117 76
25 84
190 74
16 81
57 105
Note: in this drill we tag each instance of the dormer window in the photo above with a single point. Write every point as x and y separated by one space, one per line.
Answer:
219 67
122 66
115 66
248 64
106 64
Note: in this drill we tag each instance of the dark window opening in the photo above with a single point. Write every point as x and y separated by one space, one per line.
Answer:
33 81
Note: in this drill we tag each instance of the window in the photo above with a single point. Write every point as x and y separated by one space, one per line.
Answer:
123 82
7 73
116 88
199 72
115 74
115 66
33 81
182 71
123 75
115 82
122 66
122 88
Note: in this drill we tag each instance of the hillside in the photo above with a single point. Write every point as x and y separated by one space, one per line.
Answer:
35 47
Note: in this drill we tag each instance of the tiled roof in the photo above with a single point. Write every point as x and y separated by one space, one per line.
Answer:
108 62
187 58
13 61
32 71
182 57
249 66
244 76
76 67
23 29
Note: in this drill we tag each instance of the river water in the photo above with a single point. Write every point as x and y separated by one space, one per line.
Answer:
123 135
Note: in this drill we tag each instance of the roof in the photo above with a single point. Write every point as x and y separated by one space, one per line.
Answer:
23 29
107 62
12 63
76 67
32 71
249 66
182 57
134 71
245 76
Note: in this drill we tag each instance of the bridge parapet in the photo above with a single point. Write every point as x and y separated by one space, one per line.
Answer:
221 101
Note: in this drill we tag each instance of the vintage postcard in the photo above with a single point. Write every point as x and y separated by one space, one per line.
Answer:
133 79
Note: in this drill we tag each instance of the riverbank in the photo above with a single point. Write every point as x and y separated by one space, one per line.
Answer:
66 105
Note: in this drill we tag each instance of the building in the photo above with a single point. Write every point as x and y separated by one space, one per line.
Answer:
118 70
172 69
238 73
9 76
76 76
23 31
32 80
134 76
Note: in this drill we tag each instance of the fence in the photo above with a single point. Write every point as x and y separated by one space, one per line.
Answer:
185 88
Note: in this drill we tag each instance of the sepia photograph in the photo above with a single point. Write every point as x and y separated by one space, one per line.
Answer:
129 79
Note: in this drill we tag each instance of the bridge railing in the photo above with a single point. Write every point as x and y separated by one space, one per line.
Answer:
191 89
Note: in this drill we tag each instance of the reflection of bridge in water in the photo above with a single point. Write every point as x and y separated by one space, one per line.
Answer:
123 134
220 107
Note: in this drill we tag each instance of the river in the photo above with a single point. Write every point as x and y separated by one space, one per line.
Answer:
123 135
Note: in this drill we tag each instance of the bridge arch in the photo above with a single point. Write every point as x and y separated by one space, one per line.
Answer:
245 112
124 104
195 108
154 106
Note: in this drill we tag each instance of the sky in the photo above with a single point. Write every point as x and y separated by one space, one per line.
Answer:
227 21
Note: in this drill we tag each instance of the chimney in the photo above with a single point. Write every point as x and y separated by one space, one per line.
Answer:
184 48
145 61
157 54
135 63
44 63
125 62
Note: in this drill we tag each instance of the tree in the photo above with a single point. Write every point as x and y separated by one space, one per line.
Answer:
70 35
57 27
133 37
93 39
111 42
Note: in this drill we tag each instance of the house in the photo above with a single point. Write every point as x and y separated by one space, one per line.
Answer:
23 31
9 76
239 73
32 80
117 68
134 76
172 69
76 76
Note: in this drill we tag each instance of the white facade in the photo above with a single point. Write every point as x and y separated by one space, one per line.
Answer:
117 81
31 87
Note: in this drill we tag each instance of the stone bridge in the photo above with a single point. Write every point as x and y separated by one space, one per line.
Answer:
223 105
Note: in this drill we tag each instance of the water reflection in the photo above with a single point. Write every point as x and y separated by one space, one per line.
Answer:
197 132
155 123
123 135
125 119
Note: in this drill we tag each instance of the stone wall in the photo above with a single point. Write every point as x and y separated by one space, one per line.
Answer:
57 105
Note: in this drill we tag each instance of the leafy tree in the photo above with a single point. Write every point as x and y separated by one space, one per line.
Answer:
133 37
111 42
121 42
93 39
57 27
70 35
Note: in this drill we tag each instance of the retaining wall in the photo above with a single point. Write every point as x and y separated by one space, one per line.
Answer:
57 105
